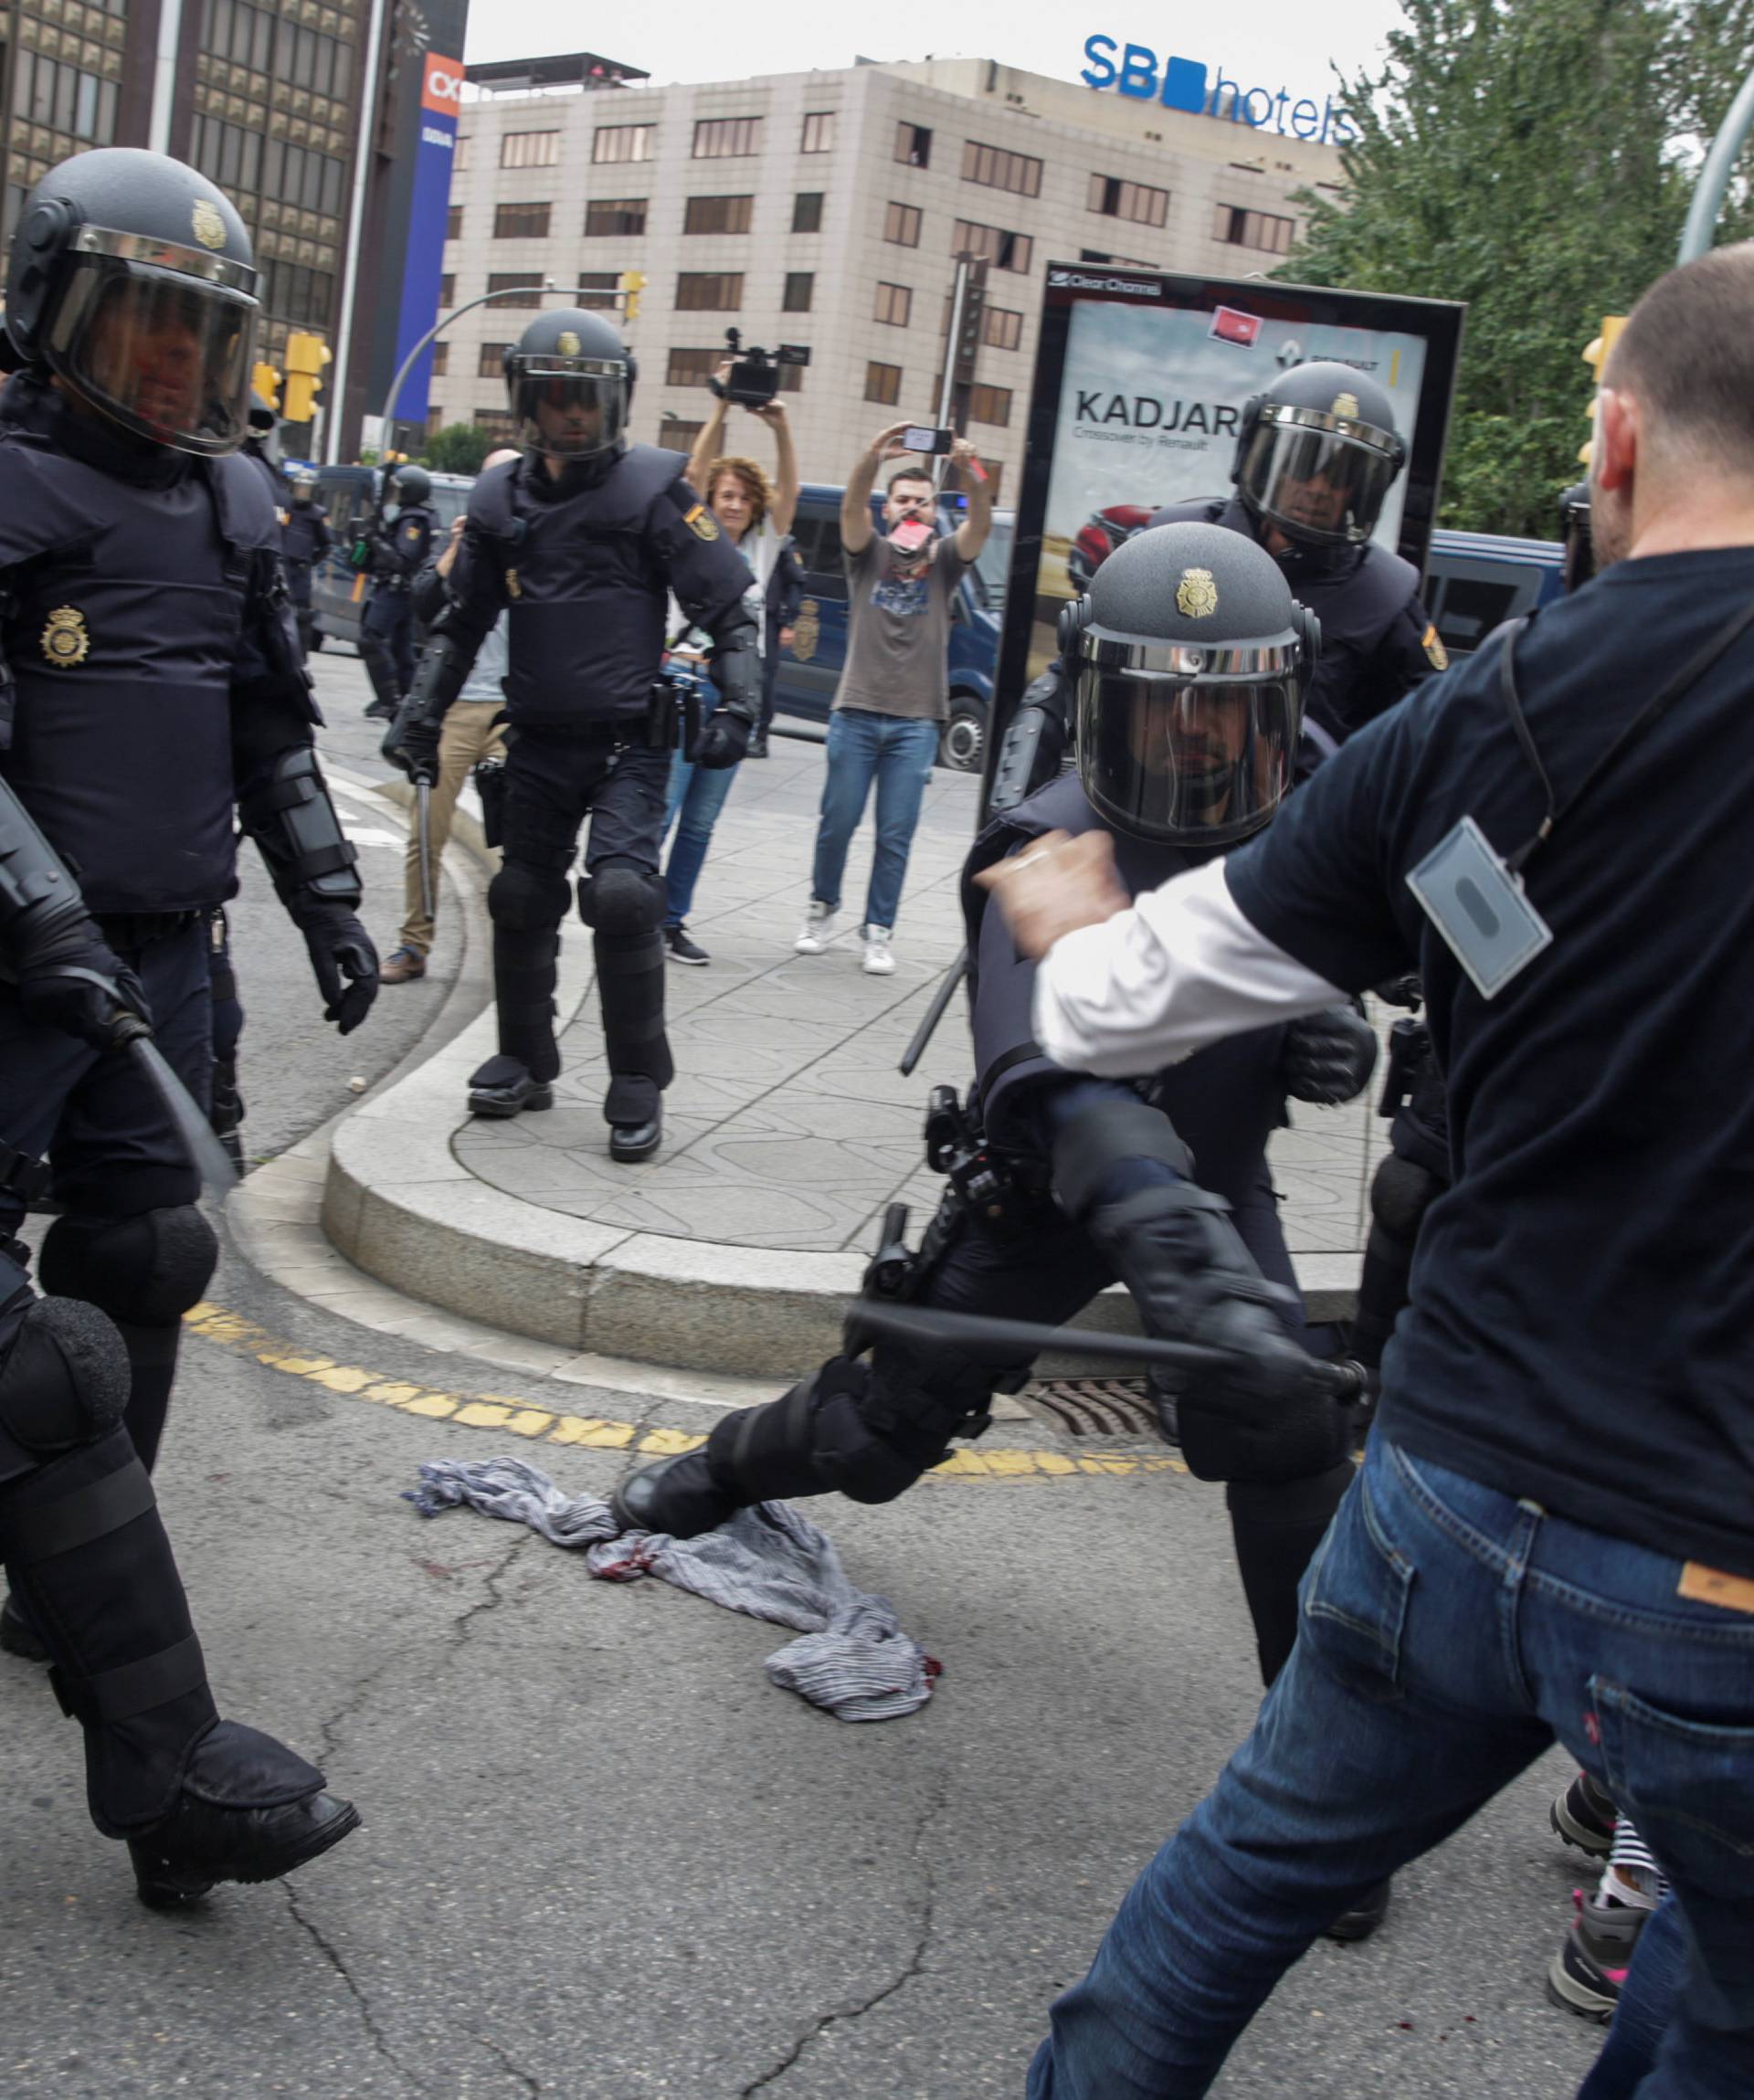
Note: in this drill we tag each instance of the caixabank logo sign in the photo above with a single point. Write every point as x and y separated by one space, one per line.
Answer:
1205 91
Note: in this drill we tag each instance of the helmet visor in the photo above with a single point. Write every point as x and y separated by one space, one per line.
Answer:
1191 763
164 354
568 411
1316 484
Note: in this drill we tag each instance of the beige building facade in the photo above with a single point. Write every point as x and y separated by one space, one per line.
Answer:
827 209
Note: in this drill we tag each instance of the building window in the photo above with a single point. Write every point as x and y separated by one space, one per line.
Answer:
1002 328
1238 228
529 149
622 142
442 360
609 216
914 145
1001 171
1136 201
819 133
677 434
598 290
459 154
528 282
726 138
499 423
717 215
894 305
693 367
883 384
901 224
1003 250
989 404
807 212
800 288
448 289
709 292
522 222
454 222
83 106
490 363
790 378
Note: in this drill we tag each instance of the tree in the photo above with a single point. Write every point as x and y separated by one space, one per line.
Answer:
1534 158
457 449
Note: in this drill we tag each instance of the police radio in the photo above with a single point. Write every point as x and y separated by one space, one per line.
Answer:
754 376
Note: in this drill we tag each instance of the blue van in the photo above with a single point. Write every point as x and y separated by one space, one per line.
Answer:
810 670
1475 581
349 494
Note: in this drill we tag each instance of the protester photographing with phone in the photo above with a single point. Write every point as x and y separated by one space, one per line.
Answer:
895 690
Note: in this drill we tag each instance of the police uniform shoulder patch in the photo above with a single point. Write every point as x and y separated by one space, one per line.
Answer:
514 588
701 521
210 228
1434 649
1196 595
66 641
1347 405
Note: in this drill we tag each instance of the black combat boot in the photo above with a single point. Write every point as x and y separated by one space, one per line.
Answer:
676 1495
503 1087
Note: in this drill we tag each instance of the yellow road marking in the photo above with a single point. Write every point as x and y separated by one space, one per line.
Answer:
519 1418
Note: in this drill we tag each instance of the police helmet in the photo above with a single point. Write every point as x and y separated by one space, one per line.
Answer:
411 485
1580 564
1316 454
569 377
131 281
1192 660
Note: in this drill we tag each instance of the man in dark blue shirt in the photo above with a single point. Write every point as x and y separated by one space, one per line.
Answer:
1553 1532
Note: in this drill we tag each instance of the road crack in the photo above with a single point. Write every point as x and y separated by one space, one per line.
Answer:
462 1630
332 1954
914 1965
512 2069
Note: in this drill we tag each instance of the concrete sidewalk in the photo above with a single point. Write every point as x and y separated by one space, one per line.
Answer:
789 1128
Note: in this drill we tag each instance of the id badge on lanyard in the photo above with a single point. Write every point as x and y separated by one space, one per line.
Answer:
1477 903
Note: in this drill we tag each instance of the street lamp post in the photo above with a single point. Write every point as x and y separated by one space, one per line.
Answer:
1714 177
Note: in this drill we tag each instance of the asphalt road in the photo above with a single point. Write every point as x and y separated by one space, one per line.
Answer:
603 1858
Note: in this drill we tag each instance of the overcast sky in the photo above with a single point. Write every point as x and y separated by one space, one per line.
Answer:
1276 43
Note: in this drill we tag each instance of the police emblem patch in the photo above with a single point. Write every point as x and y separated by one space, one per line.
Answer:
1347 405
567 343
701 521
514 588
65 640
807 630
1434 649
209 227
1196 595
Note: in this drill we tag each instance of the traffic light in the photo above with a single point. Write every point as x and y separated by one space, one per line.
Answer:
305 357
1595 357
266 381
633 282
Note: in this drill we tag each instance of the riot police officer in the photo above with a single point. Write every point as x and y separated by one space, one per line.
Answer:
153 683
396 552
1316 454
579 541
1188 701
305 539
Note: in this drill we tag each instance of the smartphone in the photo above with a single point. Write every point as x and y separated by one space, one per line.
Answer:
910 536
923 437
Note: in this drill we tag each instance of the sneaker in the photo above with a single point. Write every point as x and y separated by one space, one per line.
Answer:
380 710
1585 1815
1588 1971
818 930
681 949
403 966
878 959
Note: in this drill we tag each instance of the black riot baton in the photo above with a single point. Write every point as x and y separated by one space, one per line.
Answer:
934 1013
974 1334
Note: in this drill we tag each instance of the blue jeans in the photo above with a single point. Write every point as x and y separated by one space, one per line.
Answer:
898 754
1448 1635
693 799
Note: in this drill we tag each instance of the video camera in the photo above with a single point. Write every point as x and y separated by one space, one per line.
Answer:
754 376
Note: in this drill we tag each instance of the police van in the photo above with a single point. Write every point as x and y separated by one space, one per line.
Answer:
810 668
1475 581
349 494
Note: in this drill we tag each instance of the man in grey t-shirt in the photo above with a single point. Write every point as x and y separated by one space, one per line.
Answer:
895 687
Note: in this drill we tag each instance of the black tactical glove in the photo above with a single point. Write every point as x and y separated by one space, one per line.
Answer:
723 741
414 747
1328 1056
75 984
1267 1414
342 956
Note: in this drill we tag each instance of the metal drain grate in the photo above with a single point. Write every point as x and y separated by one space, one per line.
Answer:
1092 1407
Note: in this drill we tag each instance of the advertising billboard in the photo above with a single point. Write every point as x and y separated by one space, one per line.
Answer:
1140 382
435 152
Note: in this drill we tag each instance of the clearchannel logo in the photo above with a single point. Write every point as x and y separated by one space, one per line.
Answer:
1188 84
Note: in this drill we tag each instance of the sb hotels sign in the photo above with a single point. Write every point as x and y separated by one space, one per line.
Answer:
1187 84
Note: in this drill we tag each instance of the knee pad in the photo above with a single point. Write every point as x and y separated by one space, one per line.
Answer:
1401 1194
620 897
144 1271
527 899
64 1379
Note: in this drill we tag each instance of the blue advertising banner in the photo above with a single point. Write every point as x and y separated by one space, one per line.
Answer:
424 255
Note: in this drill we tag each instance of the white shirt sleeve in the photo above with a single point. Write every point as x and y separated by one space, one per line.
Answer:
1181 969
